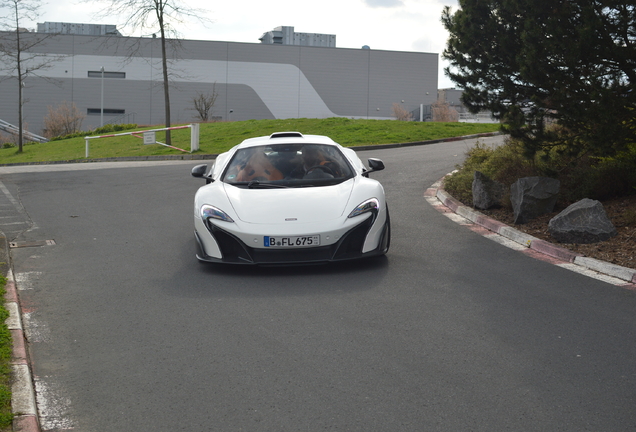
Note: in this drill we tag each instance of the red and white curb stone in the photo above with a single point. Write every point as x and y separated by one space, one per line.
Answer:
22 390
517 240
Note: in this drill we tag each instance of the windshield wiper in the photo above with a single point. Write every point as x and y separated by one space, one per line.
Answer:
255 184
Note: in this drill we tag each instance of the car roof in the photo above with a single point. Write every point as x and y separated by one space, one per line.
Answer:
287 138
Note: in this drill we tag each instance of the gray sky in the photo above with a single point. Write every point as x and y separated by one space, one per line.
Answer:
395 25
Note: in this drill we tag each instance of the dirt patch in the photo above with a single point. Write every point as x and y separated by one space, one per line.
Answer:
620 249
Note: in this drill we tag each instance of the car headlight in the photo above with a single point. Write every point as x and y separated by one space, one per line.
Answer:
370 205
208 211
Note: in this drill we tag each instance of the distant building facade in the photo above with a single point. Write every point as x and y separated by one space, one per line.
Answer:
285 35
78 29
251 80
452 97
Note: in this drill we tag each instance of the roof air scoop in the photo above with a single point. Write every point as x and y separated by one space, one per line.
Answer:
286 135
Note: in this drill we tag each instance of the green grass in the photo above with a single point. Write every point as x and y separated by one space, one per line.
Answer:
215 138
6 344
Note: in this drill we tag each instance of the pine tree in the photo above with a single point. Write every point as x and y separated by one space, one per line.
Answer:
535 63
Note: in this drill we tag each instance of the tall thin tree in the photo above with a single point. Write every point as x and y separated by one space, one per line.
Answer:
19 53
148 16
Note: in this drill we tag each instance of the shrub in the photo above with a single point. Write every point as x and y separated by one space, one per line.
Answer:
64 119
401 113
106 129
504 164
114 128
443 112
459 184
580 176
611 177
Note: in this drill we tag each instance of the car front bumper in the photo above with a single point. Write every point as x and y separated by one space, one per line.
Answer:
350 246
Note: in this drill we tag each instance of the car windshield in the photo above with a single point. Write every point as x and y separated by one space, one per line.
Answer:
287 165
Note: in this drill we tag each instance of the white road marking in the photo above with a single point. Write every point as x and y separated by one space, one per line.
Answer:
24 281
53 405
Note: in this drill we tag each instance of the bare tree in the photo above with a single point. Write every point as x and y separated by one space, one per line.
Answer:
204 104
149 16
64 119
401 113
19 58
443 112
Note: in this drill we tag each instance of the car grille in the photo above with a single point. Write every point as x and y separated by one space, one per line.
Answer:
235 251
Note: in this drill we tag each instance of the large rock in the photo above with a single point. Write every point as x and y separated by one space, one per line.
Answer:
532 197
584 221
487 193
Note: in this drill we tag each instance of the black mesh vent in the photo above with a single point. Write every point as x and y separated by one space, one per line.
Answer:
231 247
235 251
351 244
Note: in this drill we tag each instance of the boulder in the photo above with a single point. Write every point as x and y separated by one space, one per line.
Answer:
584 221
532 197
487 193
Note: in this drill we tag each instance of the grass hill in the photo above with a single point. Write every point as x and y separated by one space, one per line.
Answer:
215 138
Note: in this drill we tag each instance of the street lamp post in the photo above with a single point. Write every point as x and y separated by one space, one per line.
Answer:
21 122
22 84
101 110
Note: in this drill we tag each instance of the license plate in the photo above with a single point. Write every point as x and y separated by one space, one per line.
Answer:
291 242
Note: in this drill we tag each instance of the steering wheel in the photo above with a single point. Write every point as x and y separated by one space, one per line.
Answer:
323 168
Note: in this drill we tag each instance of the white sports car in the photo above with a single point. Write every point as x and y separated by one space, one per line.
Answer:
289 198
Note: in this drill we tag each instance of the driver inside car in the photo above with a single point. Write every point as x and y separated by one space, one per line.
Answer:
316 165
259 168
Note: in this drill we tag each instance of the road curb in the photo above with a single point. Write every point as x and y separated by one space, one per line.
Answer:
23 402
623 273
418 143
191 157
607 268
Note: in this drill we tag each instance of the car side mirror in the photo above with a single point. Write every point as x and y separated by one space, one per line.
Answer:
199 170
375 165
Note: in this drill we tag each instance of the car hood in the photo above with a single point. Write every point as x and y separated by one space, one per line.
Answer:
302 205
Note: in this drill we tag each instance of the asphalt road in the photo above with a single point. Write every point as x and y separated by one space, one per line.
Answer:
449 332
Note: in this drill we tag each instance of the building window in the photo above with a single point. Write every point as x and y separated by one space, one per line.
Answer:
110 111
98 74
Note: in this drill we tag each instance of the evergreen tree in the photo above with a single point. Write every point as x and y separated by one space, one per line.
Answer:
538 62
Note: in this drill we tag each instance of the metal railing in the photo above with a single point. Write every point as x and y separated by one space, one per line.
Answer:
122 119
149 137
481 117
423 113
14 130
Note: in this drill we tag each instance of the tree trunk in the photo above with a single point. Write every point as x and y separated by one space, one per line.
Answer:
166 89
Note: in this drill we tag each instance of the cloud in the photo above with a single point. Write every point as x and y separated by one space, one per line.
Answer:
384 3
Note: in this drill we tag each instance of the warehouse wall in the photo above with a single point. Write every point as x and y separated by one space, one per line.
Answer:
255 81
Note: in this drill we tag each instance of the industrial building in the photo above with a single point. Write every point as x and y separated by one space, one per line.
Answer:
121 77
78 29
452 97
285 35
